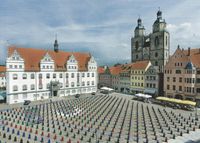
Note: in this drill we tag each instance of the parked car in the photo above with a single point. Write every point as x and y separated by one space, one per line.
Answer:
93 93
27 102
77 95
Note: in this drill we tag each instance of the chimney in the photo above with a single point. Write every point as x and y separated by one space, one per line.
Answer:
188 51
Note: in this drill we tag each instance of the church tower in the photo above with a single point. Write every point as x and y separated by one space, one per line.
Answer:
159 43
56 45
137 42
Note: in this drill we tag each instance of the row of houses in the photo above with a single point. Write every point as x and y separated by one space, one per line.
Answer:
132 78
2 77
181 77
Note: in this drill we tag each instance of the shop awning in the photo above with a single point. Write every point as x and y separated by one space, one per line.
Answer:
178 101
150 91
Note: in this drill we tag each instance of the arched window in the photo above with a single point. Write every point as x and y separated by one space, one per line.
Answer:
14 76
136 45
156 41
24 87
15 88
24 76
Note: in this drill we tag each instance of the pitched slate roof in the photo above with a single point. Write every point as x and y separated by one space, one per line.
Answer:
32 58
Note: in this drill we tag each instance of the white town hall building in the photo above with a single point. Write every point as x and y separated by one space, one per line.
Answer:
35 74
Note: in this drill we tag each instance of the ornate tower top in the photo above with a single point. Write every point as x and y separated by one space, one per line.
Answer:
139 29
159 24
159 14
56 44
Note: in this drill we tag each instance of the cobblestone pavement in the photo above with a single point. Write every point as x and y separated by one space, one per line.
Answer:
114 118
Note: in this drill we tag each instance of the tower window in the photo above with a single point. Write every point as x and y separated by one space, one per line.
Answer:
136 45
156 41
156 54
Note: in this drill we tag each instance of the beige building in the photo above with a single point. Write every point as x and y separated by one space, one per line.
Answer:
2 77
182 74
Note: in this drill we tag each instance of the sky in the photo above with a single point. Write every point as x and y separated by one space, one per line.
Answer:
102 27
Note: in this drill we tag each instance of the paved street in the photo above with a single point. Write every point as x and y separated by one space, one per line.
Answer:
114 118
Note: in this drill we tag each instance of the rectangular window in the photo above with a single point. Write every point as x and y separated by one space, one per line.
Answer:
198 90
25 96
60 75
88 74
54 75
47 75
174 87
32 76
83 74
15 97
14 76
88 83
72 75
24 87
40 86
180 88
92 74
174 79
72 84
168 79
180 79
83 83
32 87
67 75
168 87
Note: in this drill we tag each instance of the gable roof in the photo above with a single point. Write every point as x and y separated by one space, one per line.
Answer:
140 65
100 70
32 58
183 56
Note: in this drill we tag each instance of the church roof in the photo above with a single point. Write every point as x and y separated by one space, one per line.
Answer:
32 58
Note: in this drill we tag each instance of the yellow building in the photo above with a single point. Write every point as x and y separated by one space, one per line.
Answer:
138 76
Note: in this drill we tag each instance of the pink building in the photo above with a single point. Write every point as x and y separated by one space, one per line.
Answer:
182 74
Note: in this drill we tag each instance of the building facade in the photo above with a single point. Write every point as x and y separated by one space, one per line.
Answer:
153 47
34 74
105 78
2 77
124 78
182 74
138 76
152 81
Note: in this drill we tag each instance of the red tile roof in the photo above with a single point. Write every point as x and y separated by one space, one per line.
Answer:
32 58
140 65
183 57
115 70
101 70
2 68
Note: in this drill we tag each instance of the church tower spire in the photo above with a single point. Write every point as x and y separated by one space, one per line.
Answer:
139 30
56 44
